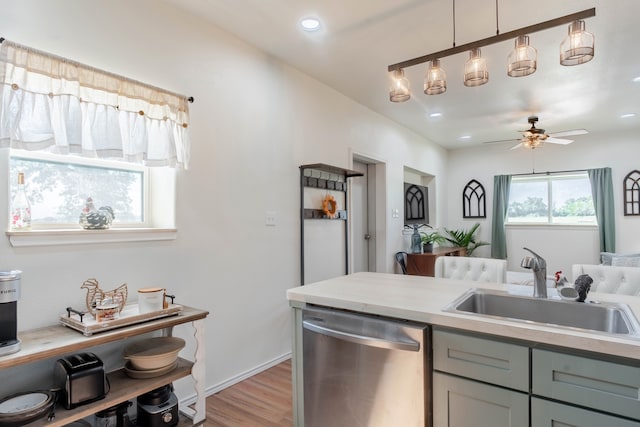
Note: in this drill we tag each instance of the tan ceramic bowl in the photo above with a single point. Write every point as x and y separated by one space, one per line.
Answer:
153 353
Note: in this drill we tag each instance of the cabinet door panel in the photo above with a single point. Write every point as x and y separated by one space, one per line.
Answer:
551 414
462 403
482 359
592 383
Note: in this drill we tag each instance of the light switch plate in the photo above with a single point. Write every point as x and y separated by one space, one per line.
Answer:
270 218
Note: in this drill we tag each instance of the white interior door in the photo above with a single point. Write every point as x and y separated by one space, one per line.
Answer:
363 217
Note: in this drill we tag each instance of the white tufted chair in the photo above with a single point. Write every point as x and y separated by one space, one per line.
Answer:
610 279
471 268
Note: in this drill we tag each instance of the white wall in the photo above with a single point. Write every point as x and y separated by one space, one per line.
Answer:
254 121
561 246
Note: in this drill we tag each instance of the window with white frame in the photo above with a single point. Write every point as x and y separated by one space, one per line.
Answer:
551 199
58 187
78 132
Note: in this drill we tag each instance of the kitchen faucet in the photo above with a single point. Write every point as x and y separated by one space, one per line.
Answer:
539 267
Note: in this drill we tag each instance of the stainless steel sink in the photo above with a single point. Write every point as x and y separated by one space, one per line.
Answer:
604 317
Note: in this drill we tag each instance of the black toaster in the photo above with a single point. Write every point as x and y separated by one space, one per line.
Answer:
81 379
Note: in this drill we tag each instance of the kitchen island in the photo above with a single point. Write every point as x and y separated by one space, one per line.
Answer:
422 299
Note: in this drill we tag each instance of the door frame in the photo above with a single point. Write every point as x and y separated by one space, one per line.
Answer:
380 228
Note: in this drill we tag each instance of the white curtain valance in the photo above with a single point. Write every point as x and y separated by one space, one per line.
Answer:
54 104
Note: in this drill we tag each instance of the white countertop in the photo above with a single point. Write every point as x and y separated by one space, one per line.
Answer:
422 299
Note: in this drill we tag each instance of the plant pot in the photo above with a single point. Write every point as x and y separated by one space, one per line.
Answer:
427 247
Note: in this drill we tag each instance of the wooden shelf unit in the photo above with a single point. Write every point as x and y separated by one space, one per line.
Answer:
122 389
53 341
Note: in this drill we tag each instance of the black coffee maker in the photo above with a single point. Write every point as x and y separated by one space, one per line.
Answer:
116 416
9 295
158 408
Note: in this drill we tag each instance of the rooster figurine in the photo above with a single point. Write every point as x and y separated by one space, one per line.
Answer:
96 296
96 219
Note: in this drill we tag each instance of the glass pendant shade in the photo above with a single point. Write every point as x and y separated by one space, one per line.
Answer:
435 81
577 47
522 59
475 69
399 91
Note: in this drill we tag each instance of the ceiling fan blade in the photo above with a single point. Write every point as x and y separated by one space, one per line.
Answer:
516 146
558 141
569 133
500 141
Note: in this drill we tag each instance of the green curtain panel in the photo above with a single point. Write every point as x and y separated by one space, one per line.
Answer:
602 193
501 184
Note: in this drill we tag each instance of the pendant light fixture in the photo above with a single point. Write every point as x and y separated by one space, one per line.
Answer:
475 69
435 81
577 47
522 59
399 91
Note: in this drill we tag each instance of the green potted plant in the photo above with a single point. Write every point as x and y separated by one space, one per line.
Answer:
429 239
464 238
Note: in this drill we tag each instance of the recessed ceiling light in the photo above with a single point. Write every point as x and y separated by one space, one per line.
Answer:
636 80
310 24
465 137
626 116
435 115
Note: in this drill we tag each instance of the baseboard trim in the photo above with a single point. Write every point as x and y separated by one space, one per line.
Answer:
189 400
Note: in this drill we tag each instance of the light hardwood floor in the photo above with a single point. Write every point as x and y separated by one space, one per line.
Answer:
263 400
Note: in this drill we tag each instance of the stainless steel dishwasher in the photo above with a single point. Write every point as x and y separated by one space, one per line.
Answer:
361 370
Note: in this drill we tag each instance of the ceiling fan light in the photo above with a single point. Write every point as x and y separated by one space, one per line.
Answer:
532 143
578 47
523 58
475 69
399 90
435 81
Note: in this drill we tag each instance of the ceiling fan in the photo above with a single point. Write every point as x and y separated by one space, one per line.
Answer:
536 137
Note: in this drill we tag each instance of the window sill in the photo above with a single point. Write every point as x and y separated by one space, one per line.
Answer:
80 237
529 225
